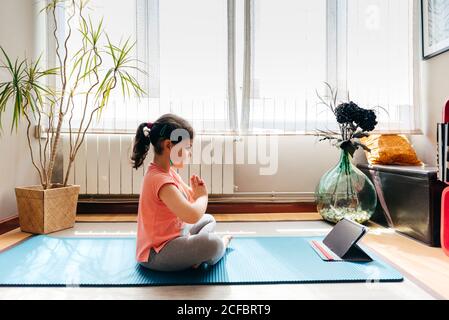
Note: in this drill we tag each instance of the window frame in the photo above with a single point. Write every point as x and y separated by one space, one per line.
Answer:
147 33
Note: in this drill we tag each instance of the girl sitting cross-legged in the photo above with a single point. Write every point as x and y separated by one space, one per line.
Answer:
173 231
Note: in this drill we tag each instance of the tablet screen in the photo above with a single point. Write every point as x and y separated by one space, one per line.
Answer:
343 236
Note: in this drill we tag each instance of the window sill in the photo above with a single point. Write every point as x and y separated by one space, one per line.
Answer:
41 132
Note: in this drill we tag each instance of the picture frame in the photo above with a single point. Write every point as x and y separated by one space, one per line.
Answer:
434 27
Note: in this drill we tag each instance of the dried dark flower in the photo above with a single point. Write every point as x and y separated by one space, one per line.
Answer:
350 113
355 122
347 112
367 121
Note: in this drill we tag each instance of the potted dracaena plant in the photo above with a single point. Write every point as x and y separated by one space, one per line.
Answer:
345 191
85 80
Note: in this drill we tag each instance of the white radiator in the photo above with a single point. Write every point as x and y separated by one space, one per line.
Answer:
103 166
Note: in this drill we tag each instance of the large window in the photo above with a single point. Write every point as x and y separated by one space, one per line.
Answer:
288 58
255 65
188 60
381 57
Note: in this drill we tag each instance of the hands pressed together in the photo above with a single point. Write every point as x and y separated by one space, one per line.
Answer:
199 188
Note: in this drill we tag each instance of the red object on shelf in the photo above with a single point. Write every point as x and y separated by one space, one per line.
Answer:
445 201
446 113
445 221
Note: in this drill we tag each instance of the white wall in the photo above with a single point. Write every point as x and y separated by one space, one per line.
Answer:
302 162
16 37
434 95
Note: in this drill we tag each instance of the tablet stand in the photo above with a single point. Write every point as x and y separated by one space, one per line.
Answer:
340 245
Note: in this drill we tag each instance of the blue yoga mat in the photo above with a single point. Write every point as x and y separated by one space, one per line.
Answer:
47 261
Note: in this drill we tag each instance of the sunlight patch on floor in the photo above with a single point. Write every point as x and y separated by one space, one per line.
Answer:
104 233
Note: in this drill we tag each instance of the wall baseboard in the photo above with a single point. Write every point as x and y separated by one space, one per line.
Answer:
9 224
131 206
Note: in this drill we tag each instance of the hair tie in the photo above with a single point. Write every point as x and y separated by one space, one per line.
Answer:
147 129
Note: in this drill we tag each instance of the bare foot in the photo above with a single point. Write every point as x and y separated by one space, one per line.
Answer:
227 239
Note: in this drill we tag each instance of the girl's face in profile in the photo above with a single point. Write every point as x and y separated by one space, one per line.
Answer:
184 154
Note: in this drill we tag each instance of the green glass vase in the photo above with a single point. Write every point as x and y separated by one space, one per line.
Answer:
345 192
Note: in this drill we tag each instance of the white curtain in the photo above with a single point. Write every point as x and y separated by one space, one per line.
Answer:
119 22
255 65
183 48
367 49
288 63
382 60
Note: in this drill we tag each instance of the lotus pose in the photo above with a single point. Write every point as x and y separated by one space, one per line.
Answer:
173 231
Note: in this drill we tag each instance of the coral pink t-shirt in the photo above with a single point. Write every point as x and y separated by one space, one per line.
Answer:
156 224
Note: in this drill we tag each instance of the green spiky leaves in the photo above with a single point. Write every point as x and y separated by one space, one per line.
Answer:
26 87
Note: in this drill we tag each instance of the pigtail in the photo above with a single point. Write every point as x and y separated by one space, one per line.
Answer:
142 143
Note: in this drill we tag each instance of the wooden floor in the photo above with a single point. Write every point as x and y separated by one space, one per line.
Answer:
426 269
424 265
226 217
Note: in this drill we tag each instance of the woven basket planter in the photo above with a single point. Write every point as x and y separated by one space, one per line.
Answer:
46 211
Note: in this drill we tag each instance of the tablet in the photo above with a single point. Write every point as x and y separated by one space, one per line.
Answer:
344 236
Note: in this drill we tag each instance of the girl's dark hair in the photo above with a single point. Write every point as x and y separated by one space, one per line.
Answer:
154 134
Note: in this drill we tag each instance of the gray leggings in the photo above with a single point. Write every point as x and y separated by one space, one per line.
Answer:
188 250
